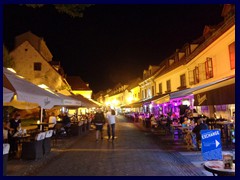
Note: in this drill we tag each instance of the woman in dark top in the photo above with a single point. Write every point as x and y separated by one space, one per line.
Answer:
15 123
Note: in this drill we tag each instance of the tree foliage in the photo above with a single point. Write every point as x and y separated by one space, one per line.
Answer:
73 10
7 59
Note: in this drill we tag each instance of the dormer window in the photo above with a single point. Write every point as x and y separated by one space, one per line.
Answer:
37 66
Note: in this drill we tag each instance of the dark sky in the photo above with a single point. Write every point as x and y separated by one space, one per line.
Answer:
111 43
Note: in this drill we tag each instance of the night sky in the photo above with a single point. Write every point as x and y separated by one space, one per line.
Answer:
111 43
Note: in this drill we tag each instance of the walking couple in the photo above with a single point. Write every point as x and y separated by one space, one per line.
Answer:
99 121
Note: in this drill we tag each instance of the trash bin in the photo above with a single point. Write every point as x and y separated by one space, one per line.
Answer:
74 129
148 123
6 148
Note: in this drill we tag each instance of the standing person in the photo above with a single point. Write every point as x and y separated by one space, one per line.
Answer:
66 122
52 119
197 130
111 120
99 121
15 125
15 122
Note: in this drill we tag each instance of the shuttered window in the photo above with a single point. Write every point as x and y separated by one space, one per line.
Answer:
231 48
209 68
191 77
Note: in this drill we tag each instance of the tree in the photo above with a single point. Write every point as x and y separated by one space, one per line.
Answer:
7 59
73 10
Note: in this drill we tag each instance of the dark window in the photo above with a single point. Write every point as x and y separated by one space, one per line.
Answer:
153 91
183 80
160 88
168 86
231 48
37 66
191 77
196 75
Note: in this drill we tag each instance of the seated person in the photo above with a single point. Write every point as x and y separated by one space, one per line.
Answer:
52 119
200 126
66 120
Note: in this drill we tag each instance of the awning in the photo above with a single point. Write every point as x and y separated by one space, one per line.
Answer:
215 85
133 105
211 85
161 99
84 101
218 94
69 101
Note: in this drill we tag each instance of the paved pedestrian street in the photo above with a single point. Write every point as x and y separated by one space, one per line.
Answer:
135 152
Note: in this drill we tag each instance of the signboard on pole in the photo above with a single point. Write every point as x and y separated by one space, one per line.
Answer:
211 145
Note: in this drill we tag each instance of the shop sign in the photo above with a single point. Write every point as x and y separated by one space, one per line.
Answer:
211 145
201 99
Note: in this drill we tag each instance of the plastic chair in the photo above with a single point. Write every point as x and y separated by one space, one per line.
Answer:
47 142
6 148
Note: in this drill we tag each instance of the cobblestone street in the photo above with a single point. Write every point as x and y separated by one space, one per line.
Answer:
135 152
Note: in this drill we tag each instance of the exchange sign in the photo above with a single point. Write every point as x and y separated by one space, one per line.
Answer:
211 145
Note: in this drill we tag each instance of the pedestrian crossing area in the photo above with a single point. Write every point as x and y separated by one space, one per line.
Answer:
196 159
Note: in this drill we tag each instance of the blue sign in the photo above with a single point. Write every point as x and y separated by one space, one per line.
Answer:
211 145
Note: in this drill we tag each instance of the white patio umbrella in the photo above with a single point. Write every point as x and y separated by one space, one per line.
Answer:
7 95
69 101
27 93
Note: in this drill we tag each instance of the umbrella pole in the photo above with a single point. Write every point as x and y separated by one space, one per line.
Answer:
41 117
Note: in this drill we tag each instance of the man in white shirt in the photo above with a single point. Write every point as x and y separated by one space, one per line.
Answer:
111 120
52 119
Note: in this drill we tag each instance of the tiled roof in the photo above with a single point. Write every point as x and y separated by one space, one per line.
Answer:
76 83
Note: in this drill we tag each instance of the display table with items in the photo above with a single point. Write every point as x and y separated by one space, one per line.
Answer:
218 168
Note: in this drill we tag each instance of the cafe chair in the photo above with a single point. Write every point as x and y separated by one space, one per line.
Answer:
6 148
33 150
58 133
80 125
74 129
47 142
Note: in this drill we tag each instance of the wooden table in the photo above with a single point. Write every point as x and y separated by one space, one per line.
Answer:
217 168
20 138
41 125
